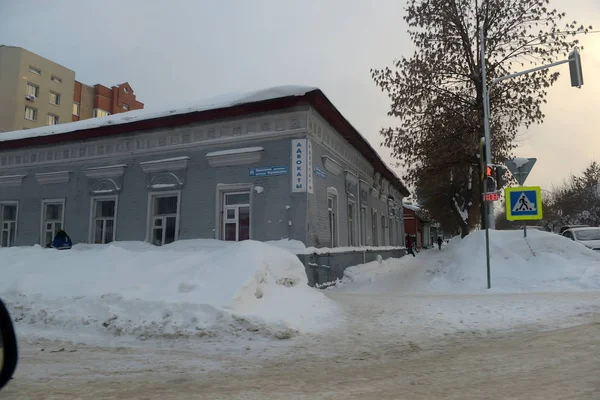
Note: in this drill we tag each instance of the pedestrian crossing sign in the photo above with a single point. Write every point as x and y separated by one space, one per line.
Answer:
523 203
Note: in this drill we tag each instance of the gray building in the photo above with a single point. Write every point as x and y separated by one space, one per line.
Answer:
273 164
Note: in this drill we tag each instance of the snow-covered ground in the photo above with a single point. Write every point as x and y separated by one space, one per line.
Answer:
196 288
216 290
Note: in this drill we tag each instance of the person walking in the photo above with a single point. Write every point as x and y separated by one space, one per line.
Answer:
409 245
439 242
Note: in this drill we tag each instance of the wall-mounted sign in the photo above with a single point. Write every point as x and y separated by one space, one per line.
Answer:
301 166
268 171
320 173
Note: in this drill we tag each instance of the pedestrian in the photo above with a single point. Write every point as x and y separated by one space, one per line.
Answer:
61 241
409 247
439 242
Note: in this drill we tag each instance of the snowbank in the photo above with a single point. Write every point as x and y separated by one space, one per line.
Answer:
189 288
545 262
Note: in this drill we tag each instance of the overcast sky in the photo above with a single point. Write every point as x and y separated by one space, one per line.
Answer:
184 51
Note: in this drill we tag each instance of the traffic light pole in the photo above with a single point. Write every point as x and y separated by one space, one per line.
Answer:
576 81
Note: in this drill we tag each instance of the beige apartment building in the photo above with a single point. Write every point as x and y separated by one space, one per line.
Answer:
35 92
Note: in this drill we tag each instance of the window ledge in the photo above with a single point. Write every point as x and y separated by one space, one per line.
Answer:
235 157
111 171
166 165
53 177
11 180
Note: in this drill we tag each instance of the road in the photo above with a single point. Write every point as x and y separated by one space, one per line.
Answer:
559 364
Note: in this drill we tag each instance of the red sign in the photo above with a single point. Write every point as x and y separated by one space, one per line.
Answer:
491 196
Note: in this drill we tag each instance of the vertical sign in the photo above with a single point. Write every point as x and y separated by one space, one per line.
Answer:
309 167
299 170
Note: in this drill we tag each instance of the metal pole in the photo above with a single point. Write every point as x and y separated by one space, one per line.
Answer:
488 157
486 123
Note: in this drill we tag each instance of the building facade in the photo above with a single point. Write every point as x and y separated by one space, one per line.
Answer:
418 226
36 92
281 163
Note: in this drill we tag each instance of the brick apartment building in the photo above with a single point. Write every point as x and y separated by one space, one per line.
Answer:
99 101
35 92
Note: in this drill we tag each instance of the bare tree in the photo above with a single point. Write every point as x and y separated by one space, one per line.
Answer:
437 93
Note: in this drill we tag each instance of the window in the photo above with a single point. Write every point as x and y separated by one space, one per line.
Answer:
30 113
76 109
391 231
125 107
52 119
8 223
374 226
56 79
104 214
333 216
35 70
236 216
55 98
351 232
164 220
126 90
383 223
363 226
33 90
98 112
53 215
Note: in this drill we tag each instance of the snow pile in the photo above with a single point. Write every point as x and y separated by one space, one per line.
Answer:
545 261
193 288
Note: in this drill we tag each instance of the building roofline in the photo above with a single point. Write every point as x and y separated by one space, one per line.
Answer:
313 97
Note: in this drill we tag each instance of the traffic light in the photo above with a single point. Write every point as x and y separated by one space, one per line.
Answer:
575 68
500 173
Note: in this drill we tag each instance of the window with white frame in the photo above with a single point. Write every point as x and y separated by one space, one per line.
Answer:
55 98
35 70
374 240
164 218
76 107
98 112
33 90
351 225
363 226
8 223
53 215
30 113
236 216
332 202
104 214
52 119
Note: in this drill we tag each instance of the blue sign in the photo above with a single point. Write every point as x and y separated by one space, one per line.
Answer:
320 173
268 171
523 203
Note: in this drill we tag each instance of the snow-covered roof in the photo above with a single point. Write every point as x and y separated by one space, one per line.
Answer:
147 119
217 102
412 207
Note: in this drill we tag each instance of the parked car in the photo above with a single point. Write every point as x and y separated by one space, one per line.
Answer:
587 236
564 228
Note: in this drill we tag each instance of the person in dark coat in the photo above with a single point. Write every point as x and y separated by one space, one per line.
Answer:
439 242
61 241
409 247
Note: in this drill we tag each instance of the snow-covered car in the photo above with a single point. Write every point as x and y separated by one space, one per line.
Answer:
589 237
